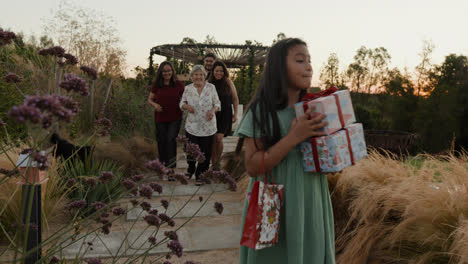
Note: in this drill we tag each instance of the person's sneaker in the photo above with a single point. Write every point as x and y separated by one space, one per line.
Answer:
198 182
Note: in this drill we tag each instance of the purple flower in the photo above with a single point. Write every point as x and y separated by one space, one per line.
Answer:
164 217
182 139
106 176
171 223
134 202
218 207
90 182
138 177
167 262
24 113
12 78
91 72
157 166
90 243
93 261
98 205
53 51
194 152
153 211
70 59
165 203
152 220
6 37
71 82
145 205
41 159
152 240
181 178
9 173
71 182
54 260
118 211
146 191
106 228
175 247
189 262
156 187
2 123
104 125
104 215
77 205
129 184
200 199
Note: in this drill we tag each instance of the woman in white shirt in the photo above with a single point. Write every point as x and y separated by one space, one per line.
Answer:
201 101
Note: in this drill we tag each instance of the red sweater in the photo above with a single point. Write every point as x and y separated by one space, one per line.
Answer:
168 97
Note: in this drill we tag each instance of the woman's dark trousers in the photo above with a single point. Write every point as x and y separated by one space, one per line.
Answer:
166 133
205 144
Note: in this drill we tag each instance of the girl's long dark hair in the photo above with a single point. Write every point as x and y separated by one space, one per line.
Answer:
221 85
272 93
159 78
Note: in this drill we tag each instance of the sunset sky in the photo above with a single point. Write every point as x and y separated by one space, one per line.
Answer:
340 26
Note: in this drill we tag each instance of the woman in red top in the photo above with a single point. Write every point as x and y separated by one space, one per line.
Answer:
165 96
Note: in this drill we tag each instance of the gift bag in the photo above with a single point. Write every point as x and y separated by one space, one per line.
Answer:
262 221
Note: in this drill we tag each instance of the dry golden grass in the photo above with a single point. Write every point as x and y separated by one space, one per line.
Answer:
396 213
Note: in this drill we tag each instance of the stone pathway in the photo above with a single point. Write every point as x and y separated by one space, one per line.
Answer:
206 231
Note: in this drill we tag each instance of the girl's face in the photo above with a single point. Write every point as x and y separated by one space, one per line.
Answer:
218 72
298 67
167 72
198 77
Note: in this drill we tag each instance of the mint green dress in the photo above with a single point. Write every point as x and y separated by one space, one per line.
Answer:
306 226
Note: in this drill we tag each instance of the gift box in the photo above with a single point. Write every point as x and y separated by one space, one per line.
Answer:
335 104
333 153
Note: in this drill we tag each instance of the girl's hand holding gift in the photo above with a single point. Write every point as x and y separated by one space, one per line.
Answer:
306 126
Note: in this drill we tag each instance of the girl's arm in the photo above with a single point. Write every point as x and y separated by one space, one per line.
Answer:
235 100
215 100
301 129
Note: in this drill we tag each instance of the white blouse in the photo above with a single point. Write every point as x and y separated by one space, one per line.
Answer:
196 123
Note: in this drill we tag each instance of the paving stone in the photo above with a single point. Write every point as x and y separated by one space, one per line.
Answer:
215 237
189 189
230 208
103 245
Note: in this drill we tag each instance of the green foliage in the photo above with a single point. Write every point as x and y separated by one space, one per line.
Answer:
91 168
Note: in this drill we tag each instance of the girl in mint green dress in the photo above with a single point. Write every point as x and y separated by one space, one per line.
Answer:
270 126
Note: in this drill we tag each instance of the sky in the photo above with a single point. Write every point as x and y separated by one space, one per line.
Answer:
340 26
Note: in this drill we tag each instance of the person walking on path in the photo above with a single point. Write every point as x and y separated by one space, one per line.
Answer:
228 96
166 93
270 128
201 101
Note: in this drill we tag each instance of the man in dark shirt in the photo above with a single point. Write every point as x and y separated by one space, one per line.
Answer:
208 61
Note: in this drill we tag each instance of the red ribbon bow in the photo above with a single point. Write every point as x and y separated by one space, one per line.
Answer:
312 96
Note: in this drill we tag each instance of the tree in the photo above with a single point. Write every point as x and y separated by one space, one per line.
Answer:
369 68
329 74
89 35
424 67
279 37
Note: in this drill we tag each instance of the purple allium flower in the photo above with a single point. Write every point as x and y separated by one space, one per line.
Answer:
165 203
146 191
103 220
12 78
168 256
164 217
176 248
2 123
9 173
167 262
182 139
106 176
98 205
90 182
153 211
193 152
53 51
77 205
138 177
152 220
70 59
71 82
156 187
152 240
54 260
134 202
145 205
90 243
106 228
181 178
129 184
171 223
93 261
200 199
104 215
118 211
157 166
91 72
104 126
219 207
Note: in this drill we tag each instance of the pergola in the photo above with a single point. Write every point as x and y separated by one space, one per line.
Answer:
234 56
